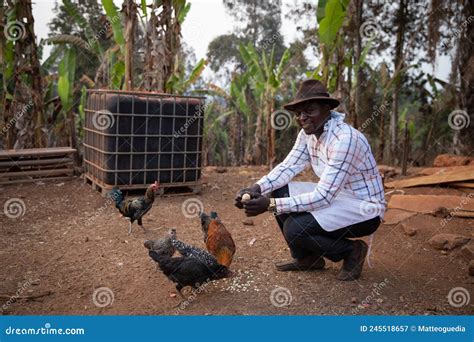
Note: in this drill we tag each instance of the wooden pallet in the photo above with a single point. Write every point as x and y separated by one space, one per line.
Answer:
31 165
165 190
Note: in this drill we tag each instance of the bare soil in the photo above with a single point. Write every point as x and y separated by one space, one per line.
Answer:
71 241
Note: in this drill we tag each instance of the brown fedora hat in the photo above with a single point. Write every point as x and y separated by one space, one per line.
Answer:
311 90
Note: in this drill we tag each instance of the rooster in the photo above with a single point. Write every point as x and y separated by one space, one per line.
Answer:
187 270
218 240
193 252
135 208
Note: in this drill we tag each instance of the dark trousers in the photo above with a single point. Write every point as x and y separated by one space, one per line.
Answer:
306 237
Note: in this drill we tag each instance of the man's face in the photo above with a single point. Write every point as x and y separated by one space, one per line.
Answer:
311 117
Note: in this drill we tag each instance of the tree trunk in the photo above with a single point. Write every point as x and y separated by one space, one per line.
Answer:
248 157
241 151
381 148
258 137
130 15
162 45
358 52
4 103
466 73
270 130
26 109
400 21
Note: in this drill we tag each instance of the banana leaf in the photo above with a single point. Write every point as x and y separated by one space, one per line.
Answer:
69 39
335 13
112 15
67 68
72 10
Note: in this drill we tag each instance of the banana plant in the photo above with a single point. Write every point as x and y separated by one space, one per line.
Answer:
265 78
331 15
178 83
67 68
236 106
112 58
217 138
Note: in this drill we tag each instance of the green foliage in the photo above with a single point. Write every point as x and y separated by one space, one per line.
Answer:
115 20
118 70
182 9
178 83
67 68
321 10
81 109
331 23
217 139
73 12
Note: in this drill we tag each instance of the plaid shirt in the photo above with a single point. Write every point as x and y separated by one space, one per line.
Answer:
341 158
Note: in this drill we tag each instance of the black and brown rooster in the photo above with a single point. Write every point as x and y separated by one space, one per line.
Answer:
134 208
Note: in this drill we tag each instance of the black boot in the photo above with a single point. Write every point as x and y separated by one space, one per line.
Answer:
353 263
310 263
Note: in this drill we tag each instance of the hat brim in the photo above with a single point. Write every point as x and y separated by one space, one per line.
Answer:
333 103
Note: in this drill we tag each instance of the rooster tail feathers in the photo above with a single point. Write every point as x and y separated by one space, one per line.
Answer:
117 196
205 220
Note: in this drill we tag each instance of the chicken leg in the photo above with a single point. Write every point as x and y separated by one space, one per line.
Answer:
140 223
184 299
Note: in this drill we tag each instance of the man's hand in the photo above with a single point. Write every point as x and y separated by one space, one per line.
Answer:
254 191
256 206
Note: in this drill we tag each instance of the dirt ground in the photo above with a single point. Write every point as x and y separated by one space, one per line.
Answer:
71 241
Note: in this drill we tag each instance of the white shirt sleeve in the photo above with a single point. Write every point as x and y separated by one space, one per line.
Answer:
294 163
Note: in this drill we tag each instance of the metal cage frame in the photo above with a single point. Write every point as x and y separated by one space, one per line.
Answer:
97 158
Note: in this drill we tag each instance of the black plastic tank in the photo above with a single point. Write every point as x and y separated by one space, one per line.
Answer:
135 138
